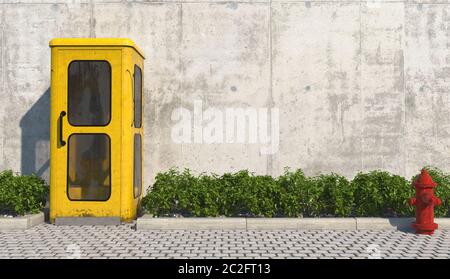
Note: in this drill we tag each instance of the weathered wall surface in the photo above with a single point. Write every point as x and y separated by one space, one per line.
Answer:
359 85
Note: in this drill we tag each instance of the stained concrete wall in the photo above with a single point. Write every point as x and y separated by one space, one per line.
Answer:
359 85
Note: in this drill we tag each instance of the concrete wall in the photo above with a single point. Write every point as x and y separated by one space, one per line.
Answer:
359 85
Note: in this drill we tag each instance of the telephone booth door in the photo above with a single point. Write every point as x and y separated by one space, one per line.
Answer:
86 130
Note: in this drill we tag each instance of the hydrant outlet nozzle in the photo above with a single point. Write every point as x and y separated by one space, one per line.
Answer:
437 201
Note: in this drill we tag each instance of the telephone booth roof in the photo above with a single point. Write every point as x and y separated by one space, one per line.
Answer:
86 42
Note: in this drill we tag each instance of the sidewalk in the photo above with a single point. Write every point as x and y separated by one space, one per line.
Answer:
49 241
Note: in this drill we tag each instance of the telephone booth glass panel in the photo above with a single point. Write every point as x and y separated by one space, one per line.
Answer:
137 97
89 170
89 100
137 177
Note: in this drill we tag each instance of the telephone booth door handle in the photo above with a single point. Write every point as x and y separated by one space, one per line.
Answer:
61 116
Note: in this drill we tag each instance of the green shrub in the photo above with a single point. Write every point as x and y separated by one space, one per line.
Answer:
237 199
301 195
297 195
336 198
209 193
260 197
21 194
171 194
374 194
379 193
442 190
184 194
239 194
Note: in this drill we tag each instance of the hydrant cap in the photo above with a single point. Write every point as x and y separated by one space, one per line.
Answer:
424 180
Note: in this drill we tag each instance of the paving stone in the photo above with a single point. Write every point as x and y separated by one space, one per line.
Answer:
48 241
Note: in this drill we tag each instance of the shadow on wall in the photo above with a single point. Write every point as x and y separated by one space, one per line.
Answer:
35 125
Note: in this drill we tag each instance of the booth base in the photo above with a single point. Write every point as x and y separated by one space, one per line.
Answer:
81 221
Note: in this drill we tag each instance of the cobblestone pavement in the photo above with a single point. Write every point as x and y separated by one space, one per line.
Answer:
49 241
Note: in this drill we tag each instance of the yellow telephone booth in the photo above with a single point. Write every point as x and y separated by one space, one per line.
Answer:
96 129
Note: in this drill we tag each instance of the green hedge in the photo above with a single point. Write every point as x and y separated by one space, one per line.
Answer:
374 194
21 194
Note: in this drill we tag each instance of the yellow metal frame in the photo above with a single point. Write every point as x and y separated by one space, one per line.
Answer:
122 55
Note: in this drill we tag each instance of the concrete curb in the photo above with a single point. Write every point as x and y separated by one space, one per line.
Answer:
150 223
383 223
21 222
147 222
301 223
444 223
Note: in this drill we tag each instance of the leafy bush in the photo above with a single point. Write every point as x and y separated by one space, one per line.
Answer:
377 193
183 194
298 197
21 194
239 194
336 198
249 195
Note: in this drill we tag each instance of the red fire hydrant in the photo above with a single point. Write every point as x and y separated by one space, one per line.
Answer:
425 201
